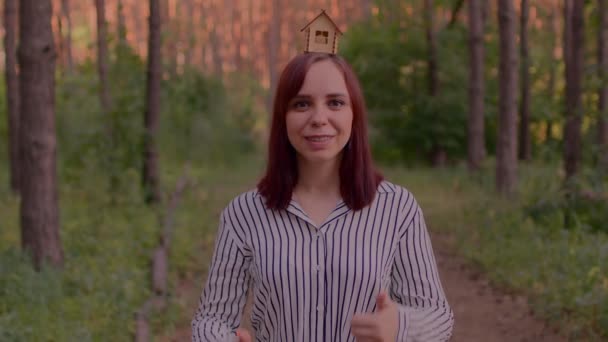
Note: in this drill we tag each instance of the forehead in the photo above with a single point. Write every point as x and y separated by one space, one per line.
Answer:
322 78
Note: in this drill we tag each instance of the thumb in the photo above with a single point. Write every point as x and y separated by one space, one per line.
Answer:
382 301
243 335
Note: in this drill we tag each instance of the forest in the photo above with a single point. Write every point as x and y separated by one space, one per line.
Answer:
127 126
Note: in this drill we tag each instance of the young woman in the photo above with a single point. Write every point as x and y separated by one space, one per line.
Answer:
331 251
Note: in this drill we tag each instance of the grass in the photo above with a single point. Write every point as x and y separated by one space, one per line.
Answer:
106 275
563 272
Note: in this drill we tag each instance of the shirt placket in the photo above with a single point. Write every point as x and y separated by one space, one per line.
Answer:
318 274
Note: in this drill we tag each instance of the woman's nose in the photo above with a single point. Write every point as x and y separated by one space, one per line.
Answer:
319 117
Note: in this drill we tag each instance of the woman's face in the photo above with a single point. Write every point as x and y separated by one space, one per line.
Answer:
320 117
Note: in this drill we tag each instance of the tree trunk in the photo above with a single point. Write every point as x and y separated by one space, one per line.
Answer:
603 91
39 198
438 153
237 37
251 40
69 59
218 68
574 72
366 8
455 11
432 72
525 145
506 147
12 90
190 37
169 39
274 41
476 126
138 28
121 31
554 23
152 112
102 57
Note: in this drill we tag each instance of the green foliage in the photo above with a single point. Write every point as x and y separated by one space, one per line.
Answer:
584 209
104 279
391 63
108 233
203 120
90 139
563 272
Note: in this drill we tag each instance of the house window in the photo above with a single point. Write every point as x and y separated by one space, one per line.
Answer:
321 37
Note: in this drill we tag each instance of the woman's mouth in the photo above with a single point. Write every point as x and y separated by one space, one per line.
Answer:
318 138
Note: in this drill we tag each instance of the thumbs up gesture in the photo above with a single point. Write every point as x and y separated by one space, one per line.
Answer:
243 335
379 326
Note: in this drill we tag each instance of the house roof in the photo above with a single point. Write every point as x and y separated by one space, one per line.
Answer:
327 16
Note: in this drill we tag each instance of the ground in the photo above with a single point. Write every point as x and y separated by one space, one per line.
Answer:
482 312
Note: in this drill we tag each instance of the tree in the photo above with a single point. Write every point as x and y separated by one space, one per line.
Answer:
121 31
39 198
12 90
506 146
65 12
150 172
102 56
524 145
603 91
366 8
438 153
574 70
274 41
476 126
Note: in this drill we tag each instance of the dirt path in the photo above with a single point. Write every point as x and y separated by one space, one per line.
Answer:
482 313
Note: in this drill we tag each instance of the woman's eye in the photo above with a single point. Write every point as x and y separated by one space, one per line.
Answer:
336 103
300 105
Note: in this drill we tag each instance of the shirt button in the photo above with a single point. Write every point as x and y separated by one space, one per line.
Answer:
320 308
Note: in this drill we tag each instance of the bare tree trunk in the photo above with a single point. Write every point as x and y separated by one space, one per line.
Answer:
102 57
554 24
476 125
366 8
38 144
432 72
603 91
168 40
138 28
215 53
438 154
506 147
152 112
274 39
574 72
65 11
121 31
12 90
237 36
485 12
191 37
251 38
525 145
455 11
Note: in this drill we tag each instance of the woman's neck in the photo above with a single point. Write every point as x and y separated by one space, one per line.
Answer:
318 179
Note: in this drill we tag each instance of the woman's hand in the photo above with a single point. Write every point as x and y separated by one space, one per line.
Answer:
379 326
243 335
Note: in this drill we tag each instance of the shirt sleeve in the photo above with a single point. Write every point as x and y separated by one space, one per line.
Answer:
225 293
424 312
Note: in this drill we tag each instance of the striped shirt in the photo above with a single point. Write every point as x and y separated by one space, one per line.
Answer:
309 281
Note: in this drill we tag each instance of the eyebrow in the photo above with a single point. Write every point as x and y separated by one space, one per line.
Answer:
306 96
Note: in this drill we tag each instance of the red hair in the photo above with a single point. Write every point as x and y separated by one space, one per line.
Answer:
358 178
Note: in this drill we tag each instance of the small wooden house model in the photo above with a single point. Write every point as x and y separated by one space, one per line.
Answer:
321 34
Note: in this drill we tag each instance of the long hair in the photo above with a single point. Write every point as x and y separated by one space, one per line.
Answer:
358 178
